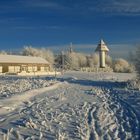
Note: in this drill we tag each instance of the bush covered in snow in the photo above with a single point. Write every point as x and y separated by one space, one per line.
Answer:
16 85
137 62
121 65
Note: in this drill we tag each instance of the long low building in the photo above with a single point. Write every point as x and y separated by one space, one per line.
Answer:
16 64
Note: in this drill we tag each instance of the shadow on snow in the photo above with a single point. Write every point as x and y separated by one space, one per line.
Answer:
86 82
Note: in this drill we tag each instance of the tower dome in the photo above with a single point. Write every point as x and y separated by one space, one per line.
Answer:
102 46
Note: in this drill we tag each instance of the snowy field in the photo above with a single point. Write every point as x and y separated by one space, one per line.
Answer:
77 106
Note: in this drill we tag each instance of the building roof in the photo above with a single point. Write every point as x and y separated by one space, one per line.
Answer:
22 59
102 46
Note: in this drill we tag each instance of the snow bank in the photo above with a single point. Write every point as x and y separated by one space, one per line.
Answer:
15 85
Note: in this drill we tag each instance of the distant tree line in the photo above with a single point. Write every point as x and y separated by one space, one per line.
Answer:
3 52
74 61
43 52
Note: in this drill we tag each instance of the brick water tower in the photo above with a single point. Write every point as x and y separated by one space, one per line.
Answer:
102 49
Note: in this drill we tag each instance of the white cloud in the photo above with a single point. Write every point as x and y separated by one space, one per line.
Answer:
120 7
112 7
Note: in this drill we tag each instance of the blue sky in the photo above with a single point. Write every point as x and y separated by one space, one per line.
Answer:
56 23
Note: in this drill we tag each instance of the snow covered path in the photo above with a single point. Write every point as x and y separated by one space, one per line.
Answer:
9 104
82 108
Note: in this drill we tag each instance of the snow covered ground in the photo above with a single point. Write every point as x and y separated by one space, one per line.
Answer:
11 85
79 106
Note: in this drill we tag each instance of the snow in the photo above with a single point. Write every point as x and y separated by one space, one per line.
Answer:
12 103
11 85
22 59
78 106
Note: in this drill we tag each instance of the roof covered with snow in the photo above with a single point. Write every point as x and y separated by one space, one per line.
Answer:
22 59
102 46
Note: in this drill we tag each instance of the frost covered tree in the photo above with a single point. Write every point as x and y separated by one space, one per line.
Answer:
121 65
30 51
48 55
44 53
82 60
137 62
73 60
93 60
108 60
3 52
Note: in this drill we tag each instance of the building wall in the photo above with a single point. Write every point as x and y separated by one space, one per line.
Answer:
0 69
42 68
30 68
13 69
4 68
34 68
16 68
45 68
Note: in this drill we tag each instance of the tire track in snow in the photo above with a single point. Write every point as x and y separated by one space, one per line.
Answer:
92 123
113 118
131 122
66 113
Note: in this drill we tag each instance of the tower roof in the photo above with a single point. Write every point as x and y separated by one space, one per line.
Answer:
102 46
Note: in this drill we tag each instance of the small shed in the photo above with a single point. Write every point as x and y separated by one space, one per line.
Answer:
23 64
